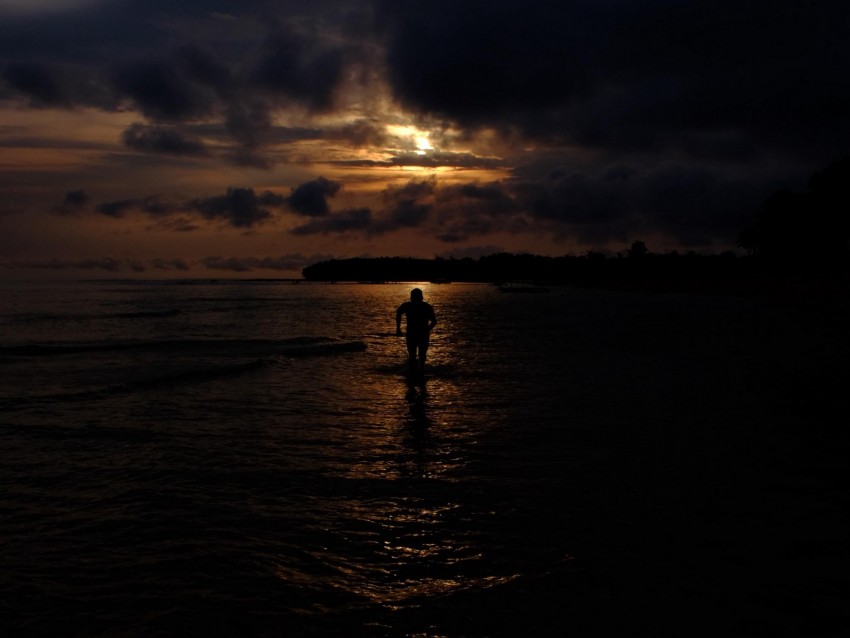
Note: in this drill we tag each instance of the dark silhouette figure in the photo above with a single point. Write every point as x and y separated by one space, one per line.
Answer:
420 321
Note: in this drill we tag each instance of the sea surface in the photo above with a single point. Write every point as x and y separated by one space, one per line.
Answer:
247 458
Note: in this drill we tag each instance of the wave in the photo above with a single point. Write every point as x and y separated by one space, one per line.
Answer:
184 377
297 346
200 361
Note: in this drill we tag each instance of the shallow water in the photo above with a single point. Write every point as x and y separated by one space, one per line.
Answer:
247 458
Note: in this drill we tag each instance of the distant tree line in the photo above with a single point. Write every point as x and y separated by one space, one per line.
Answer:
805 230
637 267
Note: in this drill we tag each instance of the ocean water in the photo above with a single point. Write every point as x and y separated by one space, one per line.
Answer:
248 459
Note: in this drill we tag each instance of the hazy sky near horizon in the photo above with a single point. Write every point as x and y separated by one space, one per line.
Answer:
213 138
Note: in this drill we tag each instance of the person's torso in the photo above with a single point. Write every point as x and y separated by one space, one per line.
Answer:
418 315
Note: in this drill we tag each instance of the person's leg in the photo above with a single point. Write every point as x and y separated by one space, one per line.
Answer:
423 352
411 357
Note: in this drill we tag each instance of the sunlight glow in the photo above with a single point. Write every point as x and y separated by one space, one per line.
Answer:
412 137
423 145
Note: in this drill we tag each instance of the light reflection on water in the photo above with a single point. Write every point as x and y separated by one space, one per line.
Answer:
422 539
332 474
441 534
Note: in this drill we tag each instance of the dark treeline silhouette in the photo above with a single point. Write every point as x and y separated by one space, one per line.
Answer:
805 231
638 267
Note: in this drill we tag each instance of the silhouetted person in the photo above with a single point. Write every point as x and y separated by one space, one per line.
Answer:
420 321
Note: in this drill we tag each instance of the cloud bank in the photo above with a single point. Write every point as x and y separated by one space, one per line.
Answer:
598 120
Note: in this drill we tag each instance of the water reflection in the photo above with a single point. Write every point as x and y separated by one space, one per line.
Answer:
417 439
399 530
397 549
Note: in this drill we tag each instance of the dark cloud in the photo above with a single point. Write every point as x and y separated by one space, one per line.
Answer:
405 214
311 198
474 210
693 204
413 190
159 139
713 79
430 159
38 82
361 133
83 33
201 66
254 135
449 212
625 75
452 212
152 205
249 122
161 93
57 85
117 209
573 196
239 207
302 69
407 206
249 158
169 264
175 223
188 64
662 116
479 61
493 197
75 202
354 220
435 160
109 264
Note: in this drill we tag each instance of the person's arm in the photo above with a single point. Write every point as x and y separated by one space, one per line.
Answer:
398 314
432 320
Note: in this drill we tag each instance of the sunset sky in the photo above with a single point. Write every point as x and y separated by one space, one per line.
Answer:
250 138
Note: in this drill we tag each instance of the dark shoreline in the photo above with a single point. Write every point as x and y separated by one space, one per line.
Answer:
724 274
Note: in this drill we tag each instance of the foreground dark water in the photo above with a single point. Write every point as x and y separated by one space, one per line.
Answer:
247 459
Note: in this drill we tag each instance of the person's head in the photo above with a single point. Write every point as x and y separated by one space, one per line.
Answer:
416 295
